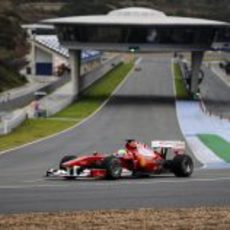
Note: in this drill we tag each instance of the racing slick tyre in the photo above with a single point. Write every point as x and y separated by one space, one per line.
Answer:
65 159
113 167
182 166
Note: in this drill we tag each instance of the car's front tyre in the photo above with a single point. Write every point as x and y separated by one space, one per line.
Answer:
113 167
71 171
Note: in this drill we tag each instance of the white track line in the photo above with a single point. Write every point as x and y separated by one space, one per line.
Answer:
205 155
129 182
75 126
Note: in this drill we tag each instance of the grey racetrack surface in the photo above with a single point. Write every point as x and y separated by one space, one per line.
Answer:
143 108
216 94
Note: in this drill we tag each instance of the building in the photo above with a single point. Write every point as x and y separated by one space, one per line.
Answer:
141 30
49 58
145 29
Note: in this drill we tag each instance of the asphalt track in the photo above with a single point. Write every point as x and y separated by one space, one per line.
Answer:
142 108
216 94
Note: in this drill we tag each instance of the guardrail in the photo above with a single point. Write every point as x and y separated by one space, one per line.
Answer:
9 122
186 73
24 100
90 78
58 105
183 64
55 103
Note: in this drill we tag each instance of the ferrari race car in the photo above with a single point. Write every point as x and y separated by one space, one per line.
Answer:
136 158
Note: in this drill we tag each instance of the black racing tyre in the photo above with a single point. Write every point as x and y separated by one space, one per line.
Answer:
182 166
113 167
140 174
65 159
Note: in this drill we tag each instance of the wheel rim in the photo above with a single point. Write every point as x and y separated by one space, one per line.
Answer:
188 169
187 166
116 169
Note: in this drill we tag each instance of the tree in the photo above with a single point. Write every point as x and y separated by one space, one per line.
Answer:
83 7
12 36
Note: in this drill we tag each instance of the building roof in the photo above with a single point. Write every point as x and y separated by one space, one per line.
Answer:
135 16
37 26
51 42
137 12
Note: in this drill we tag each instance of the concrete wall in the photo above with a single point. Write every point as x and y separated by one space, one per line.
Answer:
89 78
58 101
42 57
26 99
11 122
226 55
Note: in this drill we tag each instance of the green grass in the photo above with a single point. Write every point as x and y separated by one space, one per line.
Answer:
32 130
95 95
181 92
217 144
92 98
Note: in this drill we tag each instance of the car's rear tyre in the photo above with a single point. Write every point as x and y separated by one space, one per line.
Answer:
113 167
182 166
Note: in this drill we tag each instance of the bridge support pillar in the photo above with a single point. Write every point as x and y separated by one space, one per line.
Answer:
196 61
75 66
32 58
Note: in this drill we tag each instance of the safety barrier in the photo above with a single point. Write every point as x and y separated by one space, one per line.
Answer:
90 78
56 102
9 122
210 113
184 67
25 99
185 73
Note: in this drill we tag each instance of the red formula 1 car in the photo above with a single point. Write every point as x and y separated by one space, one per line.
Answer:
136 158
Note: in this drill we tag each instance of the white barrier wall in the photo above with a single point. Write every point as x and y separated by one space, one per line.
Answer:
9 122
184 67
62 98
55 102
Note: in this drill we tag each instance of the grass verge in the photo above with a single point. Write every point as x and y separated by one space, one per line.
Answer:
191 218
181 92
91 99
217 144
95 95
32 130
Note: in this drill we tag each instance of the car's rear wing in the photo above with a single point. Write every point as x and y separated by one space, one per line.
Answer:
175 145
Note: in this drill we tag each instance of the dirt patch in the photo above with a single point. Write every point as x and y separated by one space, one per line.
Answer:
197 218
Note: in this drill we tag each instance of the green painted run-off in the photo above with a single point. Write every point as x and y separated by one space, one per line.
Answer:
218 145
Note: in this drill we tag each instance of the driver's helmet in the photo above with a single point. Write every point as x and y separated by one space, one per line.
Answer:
131 144
121 152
